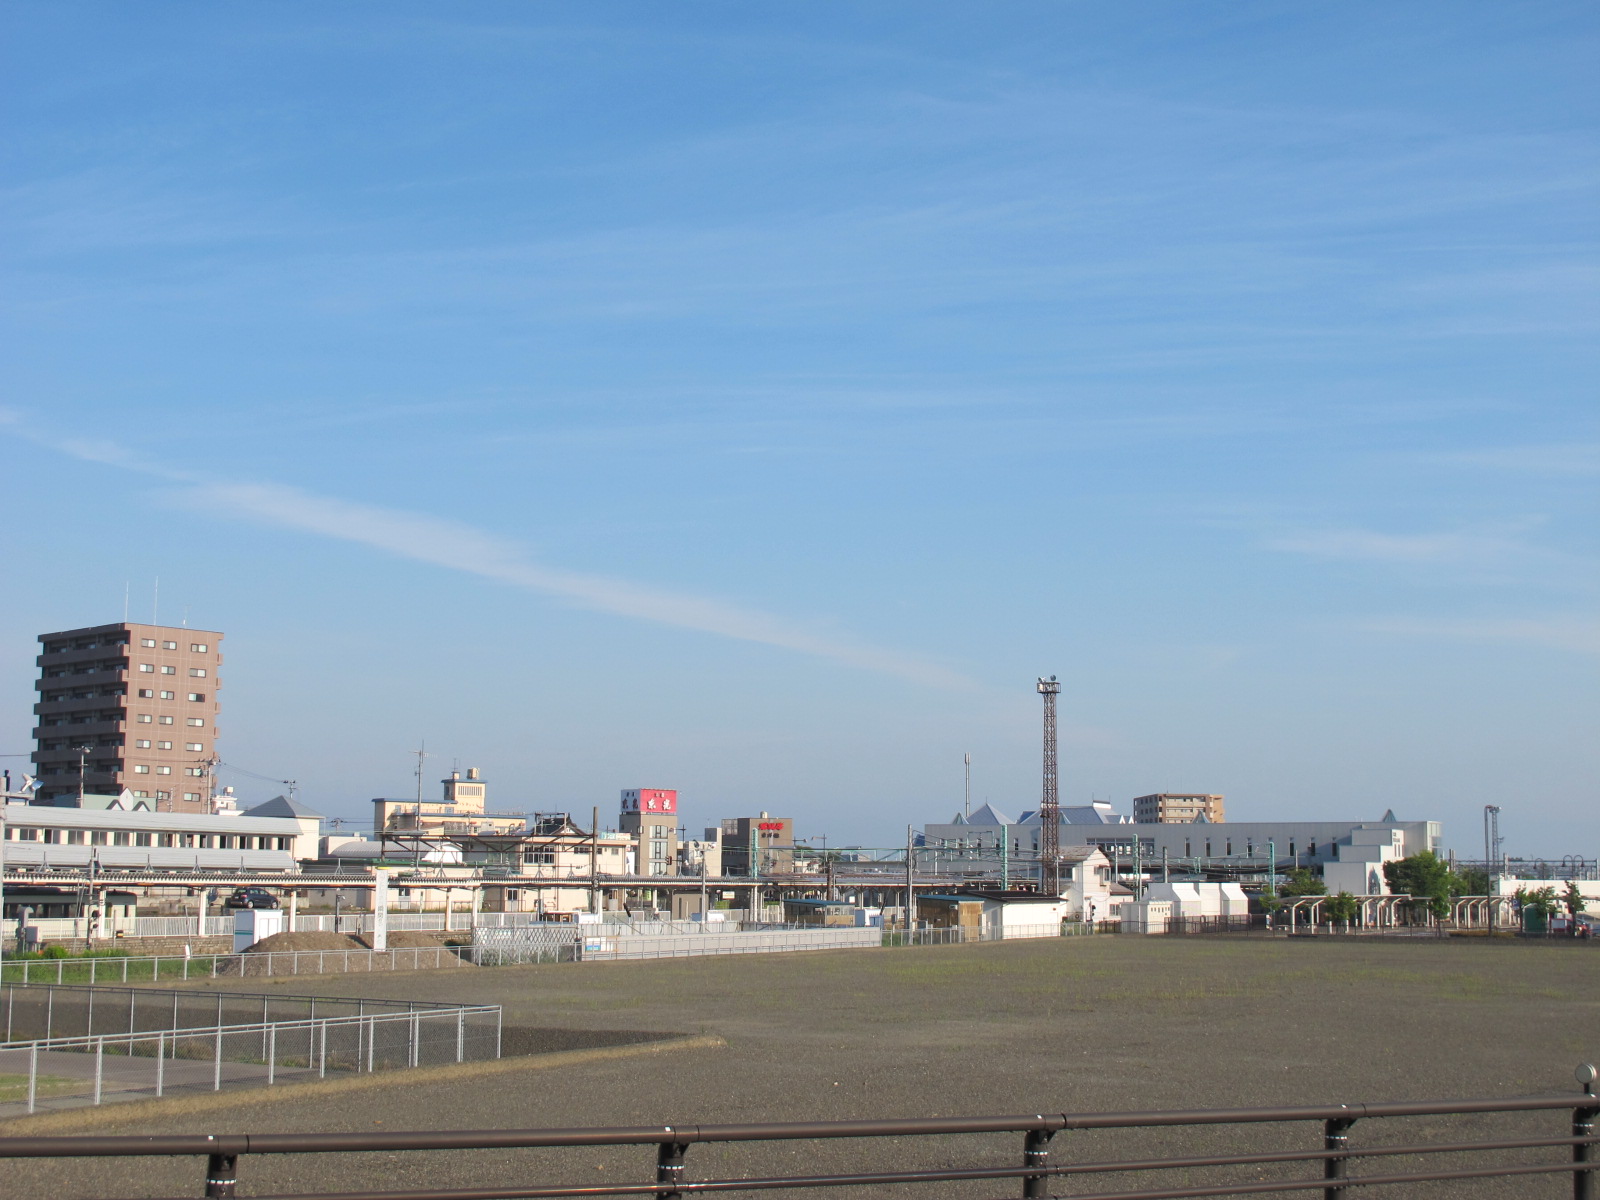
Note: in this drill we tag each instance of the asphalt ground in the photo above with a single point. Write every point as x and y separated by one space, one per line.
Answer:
1061 1025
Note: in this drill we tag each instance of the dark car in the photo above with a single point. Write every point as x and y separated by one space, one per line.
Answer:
251 898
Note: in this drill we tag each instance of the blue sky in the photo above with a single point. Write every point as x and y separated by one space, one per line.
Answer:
754 399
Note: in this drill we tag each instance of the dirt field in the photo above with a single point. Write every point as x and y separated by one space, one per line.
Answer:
1050 1026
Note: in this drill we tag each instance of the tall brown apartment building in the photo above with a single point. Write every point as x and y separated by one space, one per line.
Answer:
1176 808
130 706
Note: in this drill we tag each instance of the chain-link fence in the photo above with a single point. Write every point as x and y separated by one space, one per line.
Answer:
137 1044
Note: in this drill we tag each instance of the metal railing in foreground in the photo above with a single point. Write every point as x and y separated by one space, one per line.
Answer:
1036 1172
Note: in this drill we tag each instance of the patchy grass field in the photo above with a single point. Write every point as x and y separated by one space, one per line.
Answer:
1078 1024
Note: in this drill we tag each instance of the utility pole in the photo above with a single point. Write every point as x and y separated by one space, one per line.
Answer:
911 887
1491 840
594 861
83 763
422 753
1050 805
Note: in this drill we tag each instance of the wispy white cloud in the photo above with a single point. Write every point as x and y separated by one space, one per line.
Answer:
1579 635
1470 547
1559 458
460 547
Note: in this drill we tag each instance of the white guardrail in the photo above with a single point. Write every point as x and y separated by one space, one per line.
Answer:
76 1071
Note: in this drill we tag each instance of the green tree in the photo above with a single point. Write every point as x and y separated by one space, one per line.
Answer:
1425 877
1343 908
1473 881
1574 899
1303 881
1540 900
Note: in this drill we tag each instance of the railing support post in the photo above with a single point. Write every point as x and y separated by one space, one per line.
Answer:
1335 1136
1036 1154
1583 1181
669 1168
222 1176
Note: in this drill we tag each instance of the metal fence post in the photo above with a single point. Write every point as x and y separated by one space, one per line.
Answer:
272 1054
1036 1154
322 1057
161 1064
371 1040
416 1039
33 1074
99 1067
669 1168
1583 1127
222 1176
216 1062
1336 1137
461 1034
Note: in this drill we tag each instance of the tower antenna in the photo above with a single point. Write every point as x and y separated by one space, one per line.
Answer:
966 802
1050 801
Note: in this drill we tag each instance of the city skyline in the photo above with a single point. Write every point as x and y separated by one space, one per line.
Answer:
755 402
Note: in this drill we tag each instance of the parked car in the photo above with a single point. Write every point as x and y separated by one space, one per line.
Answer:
251 897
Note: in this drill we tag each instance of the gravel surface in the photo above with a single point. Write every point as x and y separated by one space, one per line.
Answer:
1082 1024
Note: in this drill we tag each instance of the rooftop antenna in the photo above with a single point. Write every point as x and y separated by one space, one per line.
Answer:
1050 801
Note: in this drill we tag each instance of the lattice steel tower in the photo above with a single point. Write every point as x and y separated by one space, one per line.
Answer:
1050 805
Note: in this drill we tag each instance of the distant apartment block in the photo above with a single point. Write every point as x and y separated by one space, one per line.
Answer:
128 706
1177 808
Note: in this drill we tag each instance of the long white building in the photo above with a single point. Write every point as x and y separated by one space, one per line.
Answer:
1350 854
39 835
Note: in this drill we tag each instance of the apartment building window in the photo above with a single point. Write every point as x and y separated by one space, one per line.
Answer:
195 771
197 696
143 796
166 720
198 647
141 839
169 695
169 645
147 694
198 672
169 670
97 837
148 668
141 769
163 745
191 795
144 718
194 745
149 643
163 770
196 722
74 837
142 743
160 795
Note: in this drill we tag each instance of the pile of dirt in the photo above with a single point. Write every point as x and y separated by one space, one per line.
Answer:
282 942
426 939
